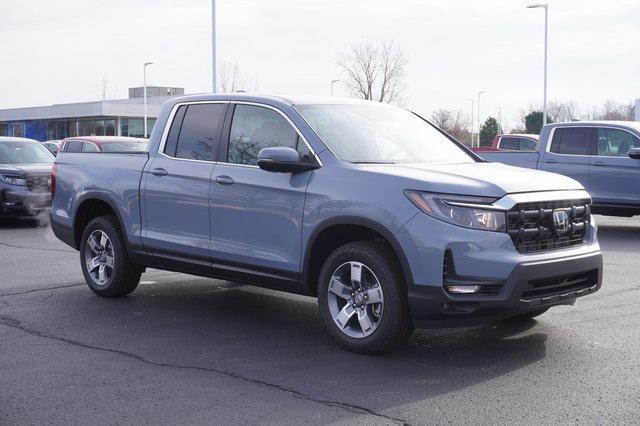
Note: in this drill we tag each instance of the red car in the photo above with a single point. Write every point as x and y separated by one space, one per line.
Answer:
514 142
103 144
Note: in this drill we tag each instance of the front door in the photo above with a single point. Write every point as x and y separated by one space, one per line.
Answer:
256 215
177 185
615 177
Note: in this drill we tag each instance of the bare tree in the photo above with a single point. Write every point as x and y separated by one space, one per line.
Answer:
375 72
559 112
612 110
230 79
105 91
454 122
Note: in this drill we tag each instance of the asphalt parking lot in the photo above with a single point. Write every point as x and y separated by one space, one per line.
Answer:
185 350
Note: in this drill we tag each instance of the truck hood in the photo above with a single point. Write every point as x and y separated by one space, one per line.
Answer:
481 179
27 168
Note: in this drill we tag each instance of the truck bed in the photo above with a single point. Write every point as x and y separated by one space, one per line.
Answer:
513 158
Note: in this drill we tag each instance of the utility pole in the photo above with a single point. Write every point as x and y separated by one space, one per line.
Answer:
544 6
471 100
213 45
479 93
332 83
144 84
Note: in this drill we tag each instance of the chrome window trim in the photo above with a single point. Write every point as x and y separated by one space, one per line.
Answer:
553 130
257 104
167 127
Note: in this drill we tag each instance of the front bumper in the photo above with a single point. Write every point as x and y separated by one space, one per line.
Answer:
18 201
433 307
489 258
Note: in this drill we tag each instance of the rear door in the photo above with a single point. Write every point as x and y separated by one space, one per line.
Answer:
615 178
256 215
177 184
569 152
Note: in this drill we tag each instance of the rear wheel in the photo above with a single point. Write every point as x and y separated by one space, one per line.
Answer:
104 260
362 297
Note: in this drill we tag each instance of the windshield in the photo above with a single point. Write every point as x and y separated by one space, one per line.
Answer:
380 133
24 152
124 146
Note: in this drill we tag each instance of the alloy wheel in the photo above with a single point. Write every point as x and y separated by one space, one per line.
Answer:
99 257
355 299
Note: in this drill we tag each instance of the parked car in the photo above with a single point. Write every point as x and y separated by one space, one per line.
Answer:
25 173
604 156
387 220
511 142
52 145
104 144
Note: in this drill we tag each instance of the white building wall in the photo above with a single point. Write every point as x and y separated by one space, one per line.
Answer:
638 109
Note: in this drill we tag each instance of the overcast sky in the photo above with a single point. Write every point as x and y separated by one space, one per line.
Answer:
60 51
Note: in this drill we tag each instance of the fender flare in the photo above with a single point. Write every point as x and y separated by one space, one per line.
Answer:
356 221
100 197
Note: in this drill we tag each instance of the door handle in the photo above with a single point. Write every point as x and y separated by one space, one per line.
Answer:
599 164
159 172
550 161
224 180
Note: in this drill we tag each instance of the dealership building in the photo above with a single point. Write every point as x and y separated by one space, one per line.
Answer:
120 117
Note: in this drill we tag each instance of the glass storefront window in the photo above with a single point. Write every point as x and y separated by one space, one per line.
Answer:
4 129
17 130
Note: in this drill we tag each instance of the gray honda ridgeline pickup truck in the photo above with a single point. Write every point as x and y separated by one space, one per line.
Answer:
387 220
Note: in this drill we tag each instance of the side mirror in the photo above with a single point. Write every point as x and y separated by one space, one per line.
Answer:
283 160
634 153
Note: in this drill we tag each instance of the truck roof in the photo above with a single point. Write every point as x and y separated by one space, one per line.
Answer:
269 98
615 123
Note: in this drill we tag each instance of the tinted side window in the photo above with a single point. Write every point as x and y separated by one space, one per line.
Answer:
615 142
73 146
510 143
572 140
254 128
174 131
200 131
528 144
89 147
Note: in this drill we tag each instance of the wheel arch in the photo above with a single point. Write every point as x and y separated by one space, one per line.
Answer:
89 207
363 229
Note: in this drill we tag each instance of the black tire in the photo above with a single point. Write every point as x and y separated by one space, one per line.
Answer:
395 325
125 275
525 316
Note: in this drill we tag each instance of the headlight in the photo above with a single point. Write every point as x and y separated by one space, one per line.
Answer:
13 180
469 212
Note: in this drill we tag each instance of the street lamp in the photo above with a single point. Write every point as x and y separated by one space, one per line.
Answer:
499 111
144 78
332 83
471 100
213 44
479 93
545 6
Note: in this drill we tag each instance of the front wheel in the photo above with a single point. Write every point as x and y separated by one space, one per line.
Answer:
362 298
104 260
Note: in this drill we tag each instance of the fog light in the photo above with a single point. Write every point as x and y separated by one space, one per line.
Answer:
463 289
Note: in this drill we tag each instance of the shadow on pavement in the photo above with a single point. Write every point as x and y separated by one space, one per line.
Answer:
620 237
267 336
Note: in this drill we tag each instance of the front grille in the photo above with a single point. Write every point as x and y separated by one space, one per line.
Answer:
532 229
39 182
557 286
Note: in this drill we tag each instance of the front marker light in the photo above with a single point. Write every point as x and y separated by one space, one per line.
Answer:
463 289
467 211
13 180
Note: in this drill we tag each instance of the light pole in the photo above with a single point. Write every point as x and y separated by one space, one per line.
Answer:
213 44
545 6
332 83
144 78
479 93
499 111
471 100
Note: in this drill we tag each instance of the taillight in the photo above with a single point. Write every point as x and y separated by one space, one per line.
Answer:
53 180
